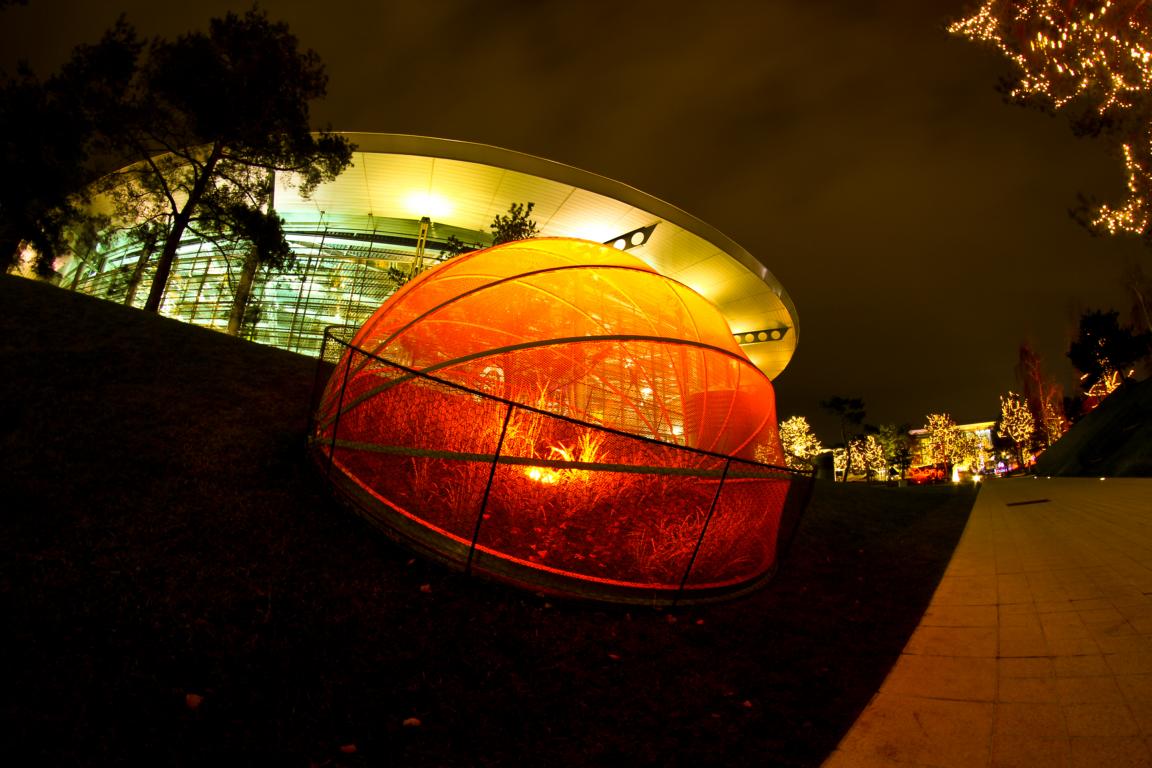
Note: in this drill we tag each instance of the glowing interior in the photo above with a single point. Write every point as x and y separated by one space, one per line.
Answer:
556 413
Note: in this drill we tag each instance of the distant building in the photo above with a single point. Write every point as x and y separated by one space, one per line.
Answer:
982 430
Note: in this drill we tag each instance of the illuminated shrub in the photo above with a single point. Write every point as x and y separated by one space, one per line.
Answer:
555 413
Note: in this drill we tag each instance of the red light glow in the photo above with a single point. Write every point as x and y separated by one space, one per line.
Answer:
556 414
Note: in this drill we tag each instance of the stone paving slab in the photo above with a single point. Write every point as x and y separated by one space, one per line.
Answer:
1036 649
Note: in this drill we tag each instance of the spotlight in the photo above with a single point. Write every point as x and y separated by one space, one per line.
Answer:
633 239
768 334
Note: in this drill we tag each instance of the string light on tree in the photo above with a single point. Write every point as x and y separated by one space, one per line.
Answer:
1108 383
867 454
799 443
1096 54
941 435
871 457
965 453
1016 422
840 460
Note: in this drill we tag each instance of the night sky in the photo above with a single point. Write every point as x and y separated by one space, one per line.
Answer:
920 224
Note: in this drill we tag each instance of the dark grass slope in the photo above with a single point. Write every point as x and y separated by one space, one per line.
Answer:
164 535
1114 440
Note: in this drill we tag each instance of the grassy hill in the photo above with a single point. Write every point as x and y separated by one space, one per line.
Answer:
181 589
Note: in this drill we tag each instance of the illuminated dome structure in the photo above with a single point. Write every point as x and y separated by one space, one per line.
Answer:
393 212
558 414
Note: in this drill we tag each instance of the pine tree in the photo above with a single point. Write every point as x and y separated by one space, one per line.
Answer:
1104 351
202 124
515 225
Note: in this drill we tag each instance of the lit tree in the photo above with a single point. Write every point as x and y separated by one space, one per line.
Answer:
840 461
864 453
984 454
869 452
896 444
1016 423
965 450
1092 59
800 444
1045 397
941 434
1104 386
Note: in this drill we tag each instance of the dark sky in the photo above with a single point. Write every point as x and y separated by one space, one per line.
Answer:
919 223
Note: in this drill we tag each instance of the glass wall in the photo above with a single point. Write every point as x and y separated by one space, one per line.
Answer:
344 269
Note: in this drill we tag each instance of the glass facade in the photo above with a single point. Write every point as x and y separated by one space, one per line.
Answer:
393 212
343 271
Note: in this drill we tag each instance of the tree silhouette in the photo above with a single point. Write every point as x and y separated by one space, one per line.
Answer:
850 411
896 444
45 144
1104 348
515 225
203 122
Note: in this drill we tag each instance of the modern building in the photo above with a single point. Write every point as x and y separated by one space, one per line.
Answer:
980 430
393 212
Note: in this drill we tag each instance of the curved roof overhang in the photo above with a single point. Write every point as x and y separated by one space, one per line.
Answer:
465 185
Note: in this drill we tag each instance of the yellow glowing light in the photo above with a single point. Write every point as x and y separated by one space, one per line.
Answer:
543 476
586 451
1105 385
428 204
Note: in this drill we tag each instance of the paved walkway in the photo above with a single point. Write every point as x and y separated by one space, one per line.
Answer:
1036 649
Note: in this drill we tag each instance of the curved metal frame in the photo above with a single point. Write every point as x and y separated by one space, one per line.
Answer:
727 474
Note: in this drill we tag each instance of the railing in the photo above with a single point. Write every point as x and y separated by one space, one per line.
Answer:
546 502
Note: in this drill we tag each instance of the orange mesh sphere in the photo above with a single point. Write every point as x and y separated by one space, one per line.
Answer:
556 410
587 332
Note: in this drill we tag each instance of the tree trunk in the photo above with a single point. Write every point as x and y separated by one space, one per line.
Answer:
179 224
243 292
137 276
847 454
76 277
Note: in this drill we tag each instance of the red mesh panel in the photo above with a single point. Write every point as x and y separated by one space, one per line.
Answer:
556 413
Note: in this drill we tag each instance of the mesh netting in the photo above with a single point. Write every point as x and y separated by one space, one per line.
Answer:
555 413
